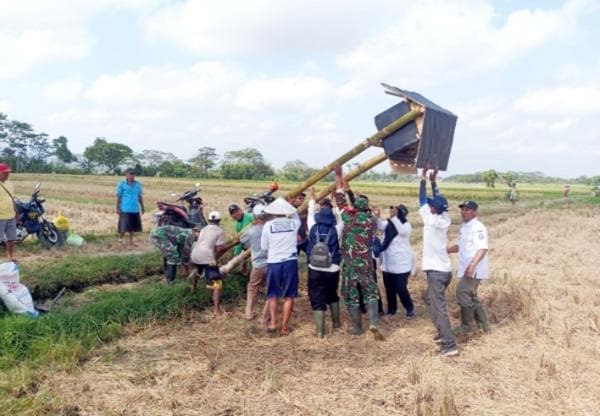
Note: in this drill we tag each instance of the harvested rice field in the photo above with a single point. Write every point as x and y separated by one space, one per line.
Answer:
541 357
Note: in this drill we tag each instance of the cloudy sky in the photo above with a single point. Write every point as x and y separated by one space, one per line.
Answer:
301 79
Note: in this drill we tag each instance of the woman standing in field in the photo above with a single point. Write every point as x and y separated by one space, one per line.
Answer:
397 258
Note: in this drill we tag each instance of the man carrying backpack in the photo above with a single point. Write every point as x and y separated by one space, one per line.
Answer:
324 258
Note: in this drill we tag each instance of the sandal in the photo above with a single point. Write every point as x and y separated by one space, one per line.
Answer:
285 331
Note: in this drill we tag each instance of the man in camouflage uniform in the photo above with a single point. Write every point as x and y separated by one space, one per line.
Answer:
175 244
357 262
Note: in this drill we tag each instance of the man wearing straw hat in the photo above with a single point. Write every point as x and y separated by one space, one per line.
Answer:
8 211
279 240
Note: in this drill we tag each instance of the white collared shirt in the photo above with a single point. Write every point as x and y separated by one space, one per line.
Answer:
473 237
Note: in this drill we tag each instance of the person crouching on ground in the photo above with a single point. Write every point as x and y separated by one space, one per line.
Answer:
210 244
175 244
397 258
279 240
258 275
436 263
324 258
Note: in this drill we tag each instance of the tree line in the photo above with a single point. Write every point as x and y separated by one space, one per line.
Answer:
28 150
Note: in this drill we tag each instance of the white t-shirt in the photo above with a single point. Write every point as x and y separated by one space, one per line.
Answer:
398 258
279 239
435 240
203 251
473 237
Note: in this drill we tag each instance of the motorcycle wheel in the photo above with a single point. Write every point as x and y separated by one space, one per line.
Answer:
48 235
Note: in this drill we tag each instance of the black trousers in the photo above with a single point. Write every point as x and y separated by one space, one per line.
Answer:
395 285
322 288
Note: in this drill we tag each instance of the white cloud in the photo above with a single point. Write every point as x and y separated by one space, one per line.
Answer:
561 100
232 27
4 106
63 90
436 41
296 92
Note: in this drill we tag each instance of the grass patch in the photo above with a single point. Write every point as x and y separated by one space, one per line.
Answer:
44 279
65 337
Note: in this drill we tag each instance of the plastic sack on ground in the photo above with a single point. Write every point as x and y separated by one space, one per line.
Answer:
15 295
75 240
61 222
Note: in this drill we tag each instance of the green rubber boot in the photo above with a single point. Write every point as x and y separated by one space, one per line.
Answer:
467 318
356 320
334 309
482 320
319 317
373 309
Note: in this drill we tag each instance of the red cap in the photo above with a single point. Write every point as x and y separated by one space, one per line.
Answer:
4 168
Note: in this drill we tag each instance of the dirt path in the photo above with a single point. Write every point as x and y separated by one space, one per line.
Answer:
540 359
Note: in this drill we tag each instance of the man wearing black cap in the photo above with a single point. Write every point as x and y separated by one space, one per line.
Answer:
473 266
436 263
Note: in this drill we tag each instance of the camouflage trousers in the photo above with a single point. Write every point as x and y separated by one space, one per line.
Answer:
175 243
351 277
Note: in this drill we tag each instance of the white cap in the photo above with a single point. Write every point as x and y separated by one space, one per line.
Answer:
258 210
214 216
280 207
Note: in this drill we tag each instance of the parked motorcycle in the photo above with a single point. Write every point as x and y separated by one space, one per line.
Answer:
180 215
265 199
30 220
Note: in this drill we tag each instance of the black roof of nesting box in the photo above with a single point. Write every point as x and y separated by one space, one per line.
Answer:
426 139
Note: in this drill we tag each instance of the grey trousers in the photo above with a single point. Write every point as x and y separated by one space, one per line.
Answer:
437 283
466 292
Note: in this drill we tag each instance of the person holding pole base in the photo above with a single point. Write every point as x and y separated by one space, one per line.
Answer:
279 240
357 260
436 263
473 267
323 248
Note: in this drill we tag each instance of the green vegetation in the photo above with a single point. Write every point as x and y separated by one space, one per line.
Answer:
79 272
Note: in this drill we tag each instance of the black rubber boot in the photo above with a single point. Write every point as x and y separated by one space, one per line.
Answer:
373 310
467 317
356 320
171 273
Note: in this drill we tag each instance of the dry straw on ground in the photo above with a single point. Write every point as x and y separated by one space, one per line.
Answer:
541 358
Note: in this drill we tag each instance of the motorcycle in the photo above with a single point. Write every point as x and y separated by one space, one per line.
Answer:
265 199
177 214
30 220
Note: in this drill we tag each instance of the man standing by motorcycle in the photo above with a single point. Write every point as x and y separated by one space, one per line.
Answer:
130 203
8 212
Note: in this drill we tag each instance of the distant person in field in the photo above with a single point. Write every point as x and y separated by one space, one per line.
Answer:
209 245
357 259
567 193
473 267
175 244
397 258
323 251
130 206
8 211
514 194
258 277
436 263
279 240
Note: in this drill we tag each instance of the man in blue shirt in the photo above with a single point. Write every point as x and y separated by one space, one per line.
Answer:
130 204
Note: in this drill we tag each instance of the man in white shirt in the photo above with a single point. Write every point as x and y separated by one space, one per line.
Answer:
210 243
279 240
436 263
473 267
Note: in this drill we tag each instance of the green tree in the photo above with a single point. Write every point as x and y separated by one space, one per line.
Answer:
61 150
247 163
205 160
490 177
296 170
110 155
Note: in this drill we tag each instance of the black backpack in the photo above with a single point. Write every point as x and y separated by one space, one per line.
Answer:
320 256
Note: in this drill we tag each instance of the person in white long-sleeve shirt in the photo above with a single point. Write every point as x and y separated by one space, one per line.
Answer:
279 240
397 258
